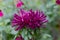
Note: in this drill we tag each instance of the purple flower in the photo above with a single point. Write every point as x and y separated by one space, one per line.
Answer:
58 2
29 19
19 38
19 3
1 13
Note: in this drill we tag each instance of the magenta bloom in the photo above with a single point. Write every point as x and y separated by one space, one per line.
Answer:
1 13
29 19
58 2
19 38
19 4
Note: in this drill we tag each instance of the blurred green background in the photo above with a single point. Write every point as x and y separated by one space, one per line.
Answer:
52 30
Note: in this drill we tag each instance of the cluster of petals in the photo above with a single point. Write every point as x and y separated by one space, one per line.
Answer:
19 3
1 13
58 2
19 38
28 19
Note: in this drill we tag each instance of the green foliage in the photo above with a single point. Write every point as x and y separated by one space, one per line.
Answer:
49 7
